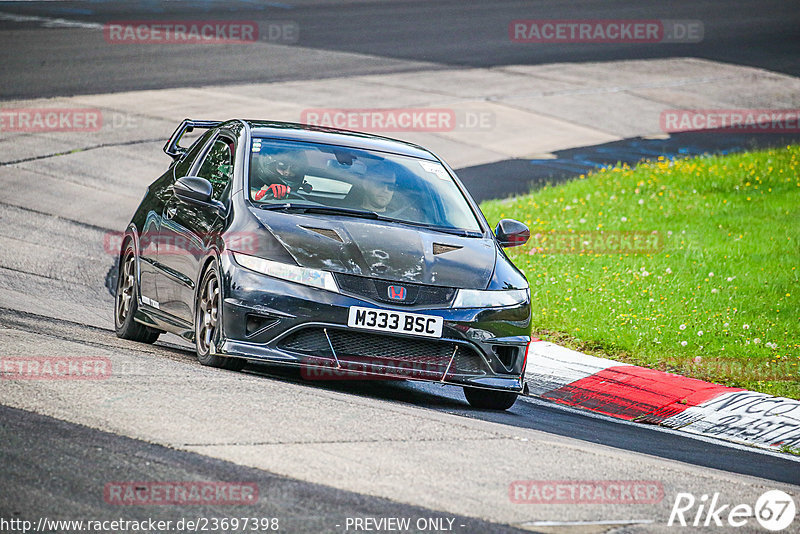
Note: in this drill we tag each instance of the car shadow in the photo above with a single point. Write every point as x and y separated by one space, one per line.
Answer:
397 390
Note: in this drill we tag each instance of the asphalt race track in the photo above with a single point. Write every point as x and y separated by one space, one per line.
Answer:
50 476
404 35
318 452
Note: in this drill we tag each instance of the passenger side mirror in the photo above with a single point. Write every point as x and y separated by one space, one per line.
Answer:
511 233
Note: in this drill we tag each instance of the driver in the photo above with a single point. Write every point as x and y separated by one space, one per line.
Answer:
280 174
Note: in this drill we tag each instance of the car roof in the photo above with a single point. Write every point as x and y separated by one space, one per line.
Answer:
331 136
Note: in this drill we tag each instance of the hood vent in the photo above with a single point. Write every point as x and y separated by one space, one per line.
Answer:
327 232
439 248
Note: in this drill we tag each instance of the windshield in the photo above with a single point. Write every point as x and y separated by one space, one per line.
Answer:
397 187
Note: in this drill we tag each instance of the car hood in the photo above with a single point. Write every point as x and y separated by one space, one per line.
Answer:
383 250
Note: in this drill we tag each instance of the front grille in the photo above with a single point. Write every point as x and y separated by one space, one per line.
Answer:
467 362
310 340
392 348
378 290
420 358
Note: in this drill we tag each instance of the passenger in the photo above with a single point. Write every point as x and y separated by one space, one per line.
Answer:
378 189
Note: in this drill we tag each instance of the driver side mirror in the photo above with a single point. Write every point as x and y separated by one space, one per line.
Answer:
511 233
196 190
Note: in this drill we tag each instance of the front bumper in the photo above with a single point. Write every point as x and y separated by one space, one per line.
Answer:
271 320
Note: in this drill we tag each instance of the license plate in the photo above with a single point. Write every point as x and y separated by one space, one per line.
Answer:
395 321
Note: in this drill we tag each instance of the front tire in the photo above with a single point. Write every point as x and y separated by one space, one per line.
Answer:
489 399
126 301
208 322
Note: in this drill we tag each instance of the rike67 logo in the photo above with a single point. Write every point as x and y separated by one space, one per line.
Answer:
774 510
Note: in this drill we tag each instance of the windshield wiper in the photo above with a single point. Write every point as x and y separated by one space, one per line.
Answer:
281 206
436 228
333 210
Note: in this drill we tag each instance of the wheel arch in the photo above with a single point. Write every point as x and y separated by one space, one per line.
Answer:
211 257
131 234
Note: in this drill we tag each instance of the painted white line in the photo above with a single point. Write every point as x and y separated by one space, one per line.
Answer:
49 22
581 523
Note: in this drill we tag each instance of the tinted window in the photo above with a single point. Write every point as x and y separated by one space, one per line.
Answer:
399 187
183 167
217 167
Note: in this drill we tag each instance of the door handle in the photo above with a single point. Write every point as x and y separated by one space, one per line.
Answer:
171 211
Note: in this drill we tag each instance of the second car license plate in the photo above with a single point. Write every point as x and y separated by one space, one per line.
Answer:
394 321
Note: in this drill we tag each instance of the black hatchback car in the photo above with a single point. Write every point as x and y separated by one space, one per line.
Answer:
350 255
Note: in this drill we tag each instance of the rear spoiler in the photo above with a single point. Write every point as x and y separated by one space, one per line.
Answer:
172 149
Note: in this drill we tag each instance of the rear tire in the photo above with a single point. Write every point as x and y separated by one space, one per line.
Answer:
208 322
126 301
488 399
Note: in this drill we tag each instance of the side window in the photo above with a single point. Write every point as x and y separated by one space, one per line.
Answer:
217 167
183 167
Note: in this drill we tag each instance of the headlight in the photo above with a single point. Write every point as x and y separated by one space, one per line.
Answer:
290 273
474 298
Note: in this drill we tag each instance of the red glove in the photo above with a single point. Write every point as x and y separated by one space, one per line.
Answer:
277 190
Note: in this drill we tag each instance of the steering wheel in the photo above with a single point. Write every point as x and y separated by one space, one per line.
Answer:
294 192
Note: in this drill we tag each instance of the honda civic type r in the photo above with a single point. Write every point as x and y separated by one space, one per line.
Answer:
344 253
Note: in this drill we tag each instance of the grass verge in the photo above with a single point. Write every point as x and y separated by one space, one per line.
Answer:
690 266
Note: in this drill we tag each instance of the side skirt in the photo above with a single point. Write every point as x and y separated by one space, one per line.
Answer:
149 316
